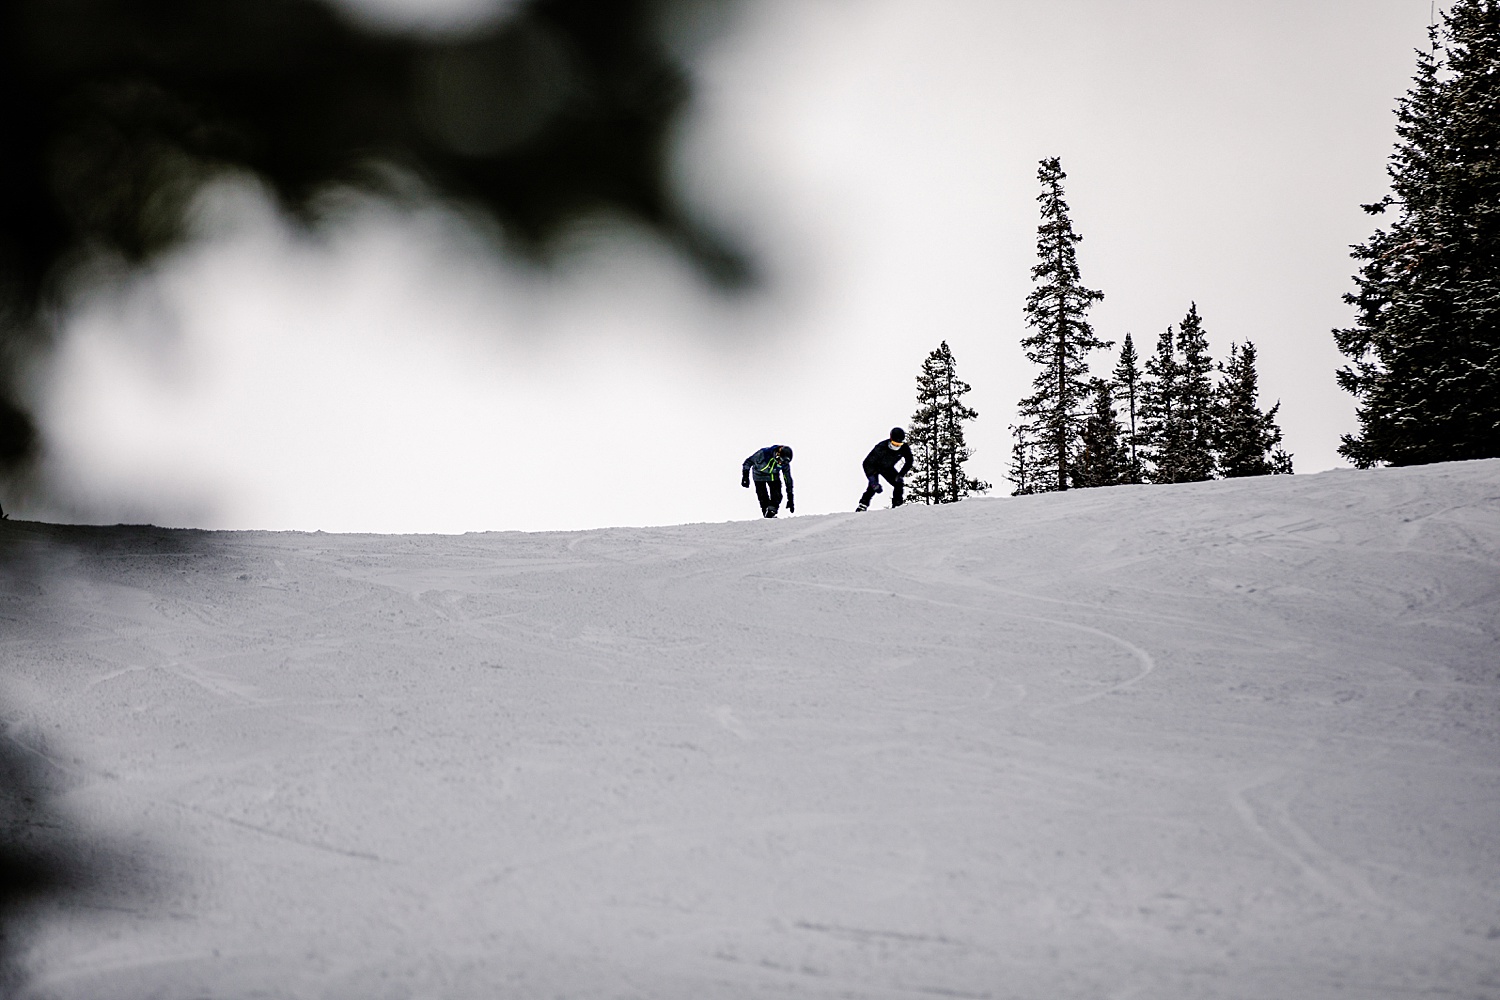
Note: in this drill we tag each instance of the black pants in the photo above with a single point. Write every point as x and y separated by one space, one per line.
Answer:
898 489
770 496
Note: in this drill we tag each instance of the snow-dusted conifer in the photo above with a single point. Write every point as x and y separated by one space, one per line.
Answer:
1425 348
1248 440
1127 383
1102 459
1060 341
937 434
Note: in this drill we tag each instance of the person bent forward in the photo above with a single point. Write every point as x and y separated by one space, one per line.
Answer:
768 466
881 463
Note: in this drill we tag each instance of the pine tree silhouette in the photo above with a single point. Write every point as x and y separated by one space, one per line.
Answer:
1060 341
1021 473
937 433
1127 383
1248 440
1161 422
1195 401
1102 461
1178 406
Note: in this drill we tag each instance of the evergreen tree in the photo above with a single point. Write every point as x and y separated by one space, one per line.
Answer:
1195 401
1425 349
1178 406
1020 473
1248 440
1060 341
924 432
1161 424
937 434
1127 388
1102 461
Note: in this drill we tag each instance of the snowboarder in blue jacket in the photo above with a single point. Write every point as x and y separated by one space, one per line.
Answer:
768 466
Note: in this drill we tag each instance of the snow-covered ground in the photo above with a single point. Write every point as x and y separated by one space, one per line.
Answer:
1234 739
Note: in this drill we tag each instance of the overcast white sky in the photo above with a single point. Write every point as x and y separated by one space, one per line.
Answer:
880 155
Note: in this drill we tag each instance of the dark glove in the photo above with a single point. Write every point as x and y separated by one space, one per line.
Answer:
745 480
875 486
791 506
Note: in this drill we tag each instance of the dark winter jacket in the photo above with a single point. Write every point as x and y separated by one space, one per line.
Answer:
767 463
883 458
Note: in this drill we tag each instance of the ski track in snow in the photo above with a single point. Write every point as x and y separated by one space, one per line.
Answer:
1229 740
1147 664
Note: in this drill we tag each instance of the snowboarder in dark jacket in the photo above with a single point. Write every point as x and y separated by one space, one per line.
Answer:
768 466
881 463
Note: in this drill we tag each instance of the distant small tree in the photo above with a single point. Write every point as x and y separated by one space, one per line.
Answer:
1195 401
924 436
1127 391
1178 406
1056 312
1248 440
937 433
1020 461
1161 422
1102 461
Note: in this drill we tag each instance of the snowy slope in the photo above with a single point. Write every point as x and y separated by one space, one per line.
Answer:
1234 739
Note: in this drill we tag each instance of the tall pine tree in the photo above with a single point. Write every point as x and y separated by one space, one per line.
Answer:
1248 440
1056 312
937 433
1127 391
1425 348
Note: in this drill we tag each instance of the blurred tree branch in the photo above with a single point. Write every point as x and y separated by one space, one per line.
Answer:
114 113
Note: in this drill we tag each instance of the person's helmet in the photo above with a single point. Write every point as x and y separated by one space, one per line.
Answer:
897 434
785 452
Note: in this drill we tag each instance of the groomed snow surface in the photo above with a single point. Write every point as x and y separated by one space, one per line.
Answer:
1234 739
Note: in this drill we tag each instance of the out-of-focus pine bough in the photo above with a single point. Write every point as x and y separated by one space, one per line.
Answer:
113 113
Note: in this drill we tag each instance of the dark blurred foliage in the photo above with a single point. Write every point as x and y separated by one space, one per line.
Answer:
114 112
31 865
49 859
52 858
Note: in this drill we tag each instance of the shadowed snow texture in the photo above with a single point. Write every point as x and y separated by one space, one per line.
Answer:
1236 739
